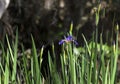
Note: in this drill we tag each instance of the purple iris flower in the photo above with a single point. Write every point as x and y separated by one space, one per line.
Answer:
67 40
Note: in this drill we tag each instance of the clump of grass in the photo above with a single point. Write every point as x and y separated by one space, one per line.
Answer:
18 70
94 63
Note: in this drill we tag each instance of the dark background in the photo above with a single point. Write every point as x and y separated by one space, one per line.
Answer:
49 20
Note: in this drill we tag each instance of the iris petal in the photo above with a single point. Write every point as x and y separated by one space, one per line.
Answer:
61 42
68 39
76 43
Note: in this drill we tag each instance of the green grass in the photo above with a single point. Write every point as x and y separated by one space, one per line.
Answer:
94 63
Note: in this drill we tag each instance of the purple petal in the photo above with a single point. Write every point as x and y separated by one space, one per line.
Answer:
76 43
61 42
69 38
